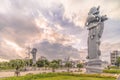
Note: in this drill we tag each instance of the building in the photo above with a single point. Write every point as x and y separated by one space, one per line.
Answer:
113 56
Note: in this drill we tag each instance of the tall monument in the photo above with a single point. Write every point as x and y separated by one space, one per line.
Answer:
34 51
95 26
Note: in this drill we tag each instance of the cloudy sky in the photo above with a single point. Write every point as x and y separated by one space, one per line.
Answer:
55 28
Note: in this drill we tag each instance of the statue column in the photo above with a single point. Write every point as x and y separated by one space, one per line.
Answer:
95 25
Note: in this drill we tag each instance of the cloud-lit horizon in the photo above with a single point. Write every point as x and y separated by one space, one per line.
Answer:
53 26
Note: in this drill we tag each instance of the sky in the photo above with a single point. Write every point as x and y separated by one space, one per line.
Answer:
55 28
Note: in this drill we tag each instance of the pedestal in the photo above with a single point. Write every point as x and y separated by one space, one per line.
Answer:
94 66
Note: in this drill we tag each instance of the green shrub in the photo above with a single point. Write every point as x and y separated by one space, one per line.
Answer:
113 71
113 67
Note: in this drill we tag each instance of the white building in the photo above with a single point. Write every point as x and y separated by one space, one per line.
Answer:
113 56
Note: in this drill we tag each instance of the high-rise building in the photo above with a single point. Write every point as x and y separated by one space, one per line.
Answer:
113 56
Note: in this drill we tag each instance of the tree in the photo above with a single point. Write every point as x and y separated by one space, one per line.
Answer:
42 63
56 61
13 64
5 65
118 61
79 66
54 65
28 62
17 63
68 65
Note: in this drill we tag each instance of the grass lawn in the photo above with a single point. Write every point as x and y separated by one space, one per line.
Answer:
60 76
73 78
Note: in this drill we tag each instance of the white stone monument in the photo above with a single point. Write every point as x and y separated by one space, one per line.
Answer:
95 26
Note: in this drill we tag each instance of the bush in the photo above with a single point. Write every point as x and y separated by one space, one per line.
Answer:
113 71
113 67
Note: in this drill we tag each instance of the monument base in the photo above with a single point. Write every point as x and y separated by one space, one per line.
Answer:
94 66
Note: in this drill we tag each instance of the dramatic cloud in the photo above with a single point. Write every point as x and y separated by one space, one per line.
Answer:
55 25
56 51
